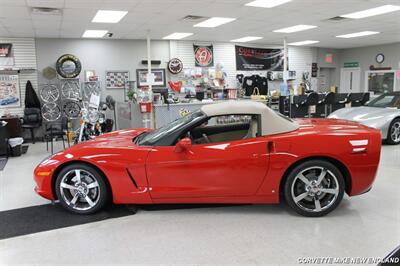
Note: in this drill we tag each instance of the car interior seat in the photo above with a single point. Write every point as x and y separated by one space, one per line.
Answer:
253 129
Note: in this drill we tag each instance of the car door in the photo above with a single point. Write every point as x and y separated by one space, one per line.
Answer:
223 169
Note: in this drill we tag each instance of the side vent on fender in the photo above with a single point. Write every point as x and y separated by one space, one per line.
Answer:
359 146
131 177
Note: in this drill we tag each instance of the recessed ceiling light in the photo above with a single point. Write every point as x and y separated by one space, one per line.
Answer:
267 3
357 34
372 12
109 16
177 36
303 43
296 28
94 33
214 22
247 39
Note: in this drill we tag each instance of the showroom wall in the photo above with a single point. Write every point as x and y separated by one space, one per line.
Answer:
101 55
300 58
365 56
24 53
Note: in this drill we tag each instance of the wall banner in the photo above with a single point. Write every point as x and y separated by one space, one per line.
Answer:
248 58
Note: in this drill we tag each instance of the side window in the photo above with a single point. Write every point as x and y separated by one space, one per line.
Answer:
225 128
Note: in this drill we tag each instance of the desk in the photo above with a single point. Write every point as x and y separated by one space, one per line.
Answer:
11 130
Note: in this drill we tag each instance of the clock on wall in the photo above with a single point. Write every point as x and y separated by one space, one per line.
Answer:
380 58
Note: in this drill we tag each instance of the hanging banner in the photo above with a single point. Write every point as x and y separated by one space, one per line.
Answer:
248 58
203 55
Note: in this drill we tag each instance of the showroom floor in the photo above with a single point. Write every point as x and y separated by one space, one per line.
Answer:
208 235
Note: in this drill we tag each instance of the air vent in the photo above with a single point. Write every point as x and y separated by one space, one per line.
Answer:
46 11
192 18
336 19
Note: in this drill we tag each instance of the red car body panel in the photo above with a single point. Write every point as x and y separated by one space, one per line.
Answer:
243 171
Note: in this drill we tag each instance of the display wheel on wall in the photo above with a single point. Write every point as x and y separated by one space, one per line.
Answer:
70 89
51 112
49 93
90 88
72 109
68 66
175 66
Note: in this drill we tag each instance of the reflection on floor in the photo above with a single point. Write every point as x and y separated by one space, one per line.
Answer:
363 226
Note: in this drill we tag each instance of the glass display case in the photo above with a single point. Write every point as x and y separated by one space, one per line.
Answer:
380 81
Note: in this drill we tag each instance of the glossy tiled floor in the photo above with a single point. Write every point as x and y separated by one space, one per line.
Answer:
363 226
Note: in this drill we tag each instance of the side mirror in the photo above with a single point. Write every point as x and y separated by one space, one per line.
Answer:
183 145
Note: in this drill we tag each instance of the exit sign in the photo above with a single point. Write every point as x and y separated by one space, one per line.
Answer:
351 64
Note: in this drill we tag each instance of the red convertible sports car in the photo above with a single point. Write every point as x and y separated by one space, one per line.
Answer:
231 152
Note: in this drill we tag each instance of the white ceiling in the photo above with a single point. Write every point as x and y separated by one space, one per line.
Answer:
163 17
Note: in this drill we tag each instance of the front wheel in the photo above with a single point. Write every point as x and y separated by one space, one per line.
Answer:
81 189
314 188
393 137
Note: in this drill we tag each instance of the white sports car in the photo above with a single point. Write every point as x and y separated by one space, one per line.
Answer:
382 113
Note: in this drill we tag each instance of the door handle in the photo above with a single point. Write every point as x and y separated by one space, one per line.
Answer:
270 147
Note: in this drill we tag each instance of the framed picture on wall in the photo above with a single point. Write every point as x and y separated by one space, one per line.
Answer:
158 74
116 79
10 94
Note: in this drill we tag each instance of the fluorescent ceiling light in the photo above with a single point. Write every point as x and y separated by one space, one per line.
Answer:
358 34
247 39
296 28
109 16
303 43
214 22
177 36
372 12
267 3
94 33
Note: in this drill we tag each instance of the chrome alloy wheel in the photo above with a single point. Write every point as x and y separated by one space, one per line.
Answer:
80 190
315 189
395 132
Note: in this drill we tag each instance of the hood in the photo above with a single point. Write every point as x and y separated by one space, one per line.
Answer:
363 114
117 139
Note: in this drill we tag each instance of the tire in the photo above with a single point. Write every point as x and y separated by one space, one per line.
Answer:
311 196
83 193
393 137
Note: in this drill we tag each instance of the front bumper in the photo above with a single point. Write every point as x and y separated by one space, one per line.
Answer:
43 183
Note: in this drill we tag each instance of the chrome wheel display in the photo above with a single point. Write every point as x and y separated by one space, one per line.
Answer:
315 189
51 112
72 109
49 93
395 132
80 189
70 89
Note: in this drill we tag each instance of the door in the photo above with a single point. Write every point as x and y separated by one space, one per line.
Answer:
350 80
235 168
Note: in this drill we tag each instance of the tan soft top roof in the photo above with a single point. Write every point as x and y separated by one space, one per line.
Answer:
271 122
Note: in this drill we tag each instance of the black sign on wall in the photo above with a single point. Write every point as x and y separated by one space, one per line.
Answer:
203 55
314 70
5 49
248 58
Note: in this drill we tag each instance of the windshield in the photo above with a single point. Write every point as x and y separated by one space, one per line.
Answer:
386 100
150 138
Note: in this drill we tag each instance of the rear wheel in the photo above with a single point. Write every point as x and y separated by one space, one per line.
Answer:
314 188
393 137
81 189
